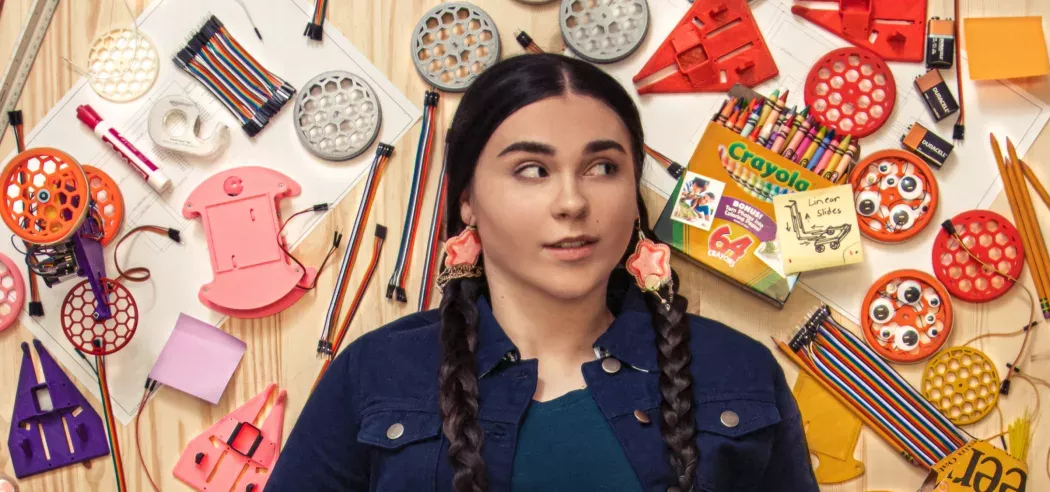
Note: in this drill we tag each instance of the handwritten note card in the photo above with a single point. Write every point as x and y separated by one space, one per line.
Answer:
817 229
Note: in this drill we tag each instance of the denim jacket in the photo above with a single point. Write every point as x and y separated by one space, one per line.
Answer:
373 421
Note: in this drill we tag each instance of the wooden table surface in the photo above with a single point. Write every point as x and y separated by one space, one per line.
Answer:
281 348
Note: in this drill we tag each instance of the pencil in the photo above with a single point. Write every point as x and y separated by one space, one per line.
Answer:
1036 184
1036 233
1013 200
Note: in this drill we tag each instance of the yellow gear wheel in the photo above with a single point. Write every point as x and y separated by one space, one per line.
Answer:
962 383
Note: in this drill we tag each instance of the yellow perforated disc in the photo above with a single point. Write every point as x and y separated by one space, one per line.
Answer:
962 382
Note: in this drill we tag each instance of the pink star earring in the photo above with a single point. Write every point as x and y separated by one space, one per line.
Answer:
461 257
650 265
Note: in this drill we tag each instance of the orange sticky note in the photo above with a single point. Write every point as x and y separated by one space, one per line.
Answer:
1005 47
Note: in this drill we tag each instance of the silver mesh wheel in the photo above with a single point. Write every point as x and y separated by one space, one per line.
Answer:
337 115
603 31
453 43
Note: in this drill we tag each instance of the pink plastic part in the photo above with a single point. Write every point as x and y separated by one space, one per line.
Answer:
237 443
254 277
12 292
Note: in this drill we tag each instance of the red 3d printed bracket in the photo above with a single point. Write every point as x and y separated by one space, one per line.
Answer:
895 29
254 277
715 46
234 454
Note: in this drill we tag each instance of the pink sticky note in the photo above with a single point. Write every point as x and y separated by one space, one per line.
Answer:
198 359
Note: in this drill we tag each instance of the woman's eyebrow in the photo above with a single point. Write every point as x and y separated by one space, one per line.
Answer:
527 146
600 145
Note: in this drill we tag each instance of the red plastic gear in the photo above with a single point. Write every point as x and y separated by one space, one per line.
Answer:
82 329
852 91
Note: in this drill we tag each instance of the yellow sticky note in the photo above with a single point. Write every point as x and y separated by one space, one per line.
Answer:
1005 47
817 229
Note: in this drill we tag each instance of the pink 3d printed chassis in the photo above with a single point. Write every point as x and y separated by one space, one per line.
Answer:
254 277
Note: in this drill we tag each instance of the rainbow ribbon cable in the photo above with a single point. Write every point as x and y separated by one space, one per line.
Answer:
874 389
415 200
430 267
249 91
375 175
315 28
111 425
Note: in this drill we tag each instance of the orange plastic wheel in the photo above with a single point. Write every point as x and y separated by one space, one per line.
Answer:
45 195
906 316
108 201
896 195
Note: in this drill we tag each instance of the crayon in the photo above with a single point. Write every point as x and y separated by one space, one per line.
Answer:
784 133
848 161
811 148
727 108
832 171
775 116
741 120
803 139
768 104
780 128
721 111
752 119
822 147
796 137
825 156
801 117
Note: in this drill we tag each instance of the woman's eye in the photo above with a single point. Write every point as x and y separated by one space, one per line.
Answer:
602 168
532 171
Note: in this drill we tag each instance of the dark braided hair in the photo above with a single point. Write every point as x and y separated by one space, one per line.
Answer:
498 92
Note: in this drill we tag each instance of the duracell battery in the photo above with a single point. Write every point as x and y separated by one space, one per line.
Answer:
940 43
936 94
927 145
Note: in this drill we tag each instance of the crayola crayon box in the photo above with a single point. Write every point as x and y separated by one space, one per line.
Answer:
721 214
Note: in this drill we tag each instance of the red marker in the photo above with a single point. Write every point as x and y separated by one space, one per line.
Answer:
137 160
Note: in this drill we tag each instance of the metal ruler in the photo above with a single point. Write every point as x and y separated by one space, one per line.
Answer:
21 62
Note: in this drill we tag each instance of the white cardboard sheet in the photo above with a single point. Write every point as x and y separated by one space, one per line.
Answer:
180 269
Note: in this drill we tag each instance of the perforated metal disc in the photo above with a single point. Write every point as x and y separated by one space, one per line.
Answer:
337 115
123 65
453 43
962 383
603 31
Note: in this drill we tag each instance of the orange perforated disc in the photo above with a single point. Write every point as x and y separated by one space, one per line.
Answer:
108 201
45 195
896 195
82 329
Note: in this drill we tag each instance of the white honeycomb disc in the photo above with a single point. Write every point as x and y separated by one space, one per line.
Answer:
123 65
453 43
337 115
603 31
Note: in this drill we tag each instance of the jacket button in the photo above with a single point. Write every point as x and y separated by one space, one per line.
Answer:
641 417
730 419
611 365
395 431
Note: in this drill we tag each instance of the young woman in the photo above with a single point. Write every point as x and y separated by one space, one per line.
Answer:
561 357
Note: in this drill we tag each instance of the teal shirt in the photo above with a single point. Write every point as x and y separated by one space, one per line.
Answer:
566 444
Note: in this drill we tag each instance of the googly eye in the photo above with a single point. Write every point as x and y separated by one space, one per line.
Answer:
888 182
902 217
884 167
930 320
907 339
909 292
881 310
933 331
870 179
910 187
868 203
891 287
885 332
932 298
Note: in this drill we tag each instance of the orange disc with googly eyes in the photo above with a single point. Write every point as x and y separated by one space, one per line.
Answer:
906 316
108 201
12 292
896 195
46 196
993 240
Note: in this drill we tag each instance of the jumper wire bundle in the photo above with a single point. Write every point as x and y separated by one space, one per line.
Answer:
430 267
252 93
375 175
881 397
415 199
315 29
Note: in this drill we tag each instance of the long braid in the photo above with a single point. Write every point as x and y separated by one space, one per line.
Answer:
458 383
677 412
